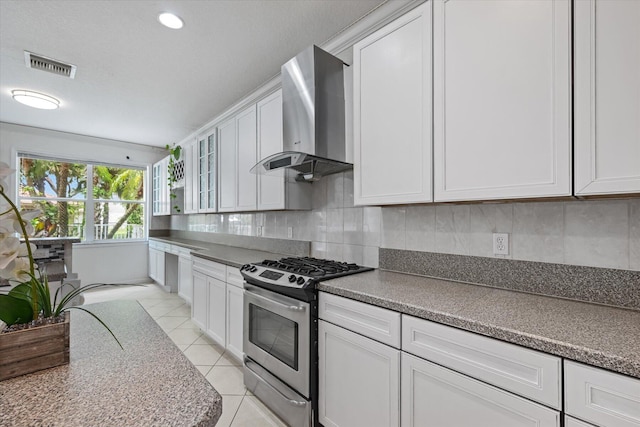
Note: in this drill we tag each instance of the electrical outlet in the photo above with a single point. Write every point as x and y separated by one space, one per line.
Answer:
258 231
501 243
290 232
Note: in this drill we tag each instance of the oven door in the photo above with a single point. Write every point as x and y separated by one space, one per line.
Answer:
277 333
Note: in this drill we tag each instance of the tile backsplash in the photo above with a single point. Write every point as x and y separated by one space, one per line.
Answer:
597 233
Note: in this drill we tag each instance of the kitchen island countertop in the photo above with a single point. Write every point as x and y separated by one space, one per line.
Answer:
148 383
603 336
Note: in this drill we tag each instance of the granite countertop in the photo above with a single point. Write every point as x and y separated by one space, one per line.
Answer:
229 255
148 383
598 335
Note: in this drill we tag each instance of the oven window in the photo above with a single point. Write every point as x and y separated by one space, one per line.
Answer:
275 334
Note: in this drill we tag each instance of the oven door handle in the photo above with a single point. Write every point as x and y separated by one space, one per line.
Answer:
296 308
292 402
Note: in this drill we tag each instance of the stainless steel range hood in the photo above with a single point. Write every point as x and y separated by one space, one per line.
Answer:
313 117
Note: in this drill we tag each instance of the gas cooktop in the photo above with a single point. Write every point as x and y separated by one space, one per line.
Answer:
296 273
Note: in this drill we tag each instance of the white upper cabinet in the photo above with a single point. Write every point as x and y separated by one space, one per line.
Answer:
228 165
190 155
392 112
204 181
502 99
607 97
237 142
161 203
247 158
270 187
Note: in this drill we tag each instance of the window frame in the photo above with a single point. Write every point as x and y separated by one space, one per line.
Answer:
89 200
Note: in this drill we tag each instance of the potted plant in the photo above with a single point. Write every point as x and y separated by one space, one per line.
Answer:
174 156
36 335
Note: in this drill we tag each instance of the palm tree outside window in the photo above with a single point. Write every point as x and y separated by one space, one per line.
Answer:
90 201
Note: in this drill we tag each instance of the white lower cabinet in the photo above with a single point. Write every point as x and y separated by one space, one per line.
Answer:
200 300
185 287
437 396
217 318
234 320
217 306
359 382
156 265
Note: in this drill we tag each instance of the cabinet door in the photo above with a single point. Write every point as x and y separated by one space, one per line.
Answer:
607 97
165 200
159 188
200 300
392 112
153 264
235 318
247 158
207 172
270 187
359 380
436 396
159 255
185 287
502 101
216 324
227 146
190 156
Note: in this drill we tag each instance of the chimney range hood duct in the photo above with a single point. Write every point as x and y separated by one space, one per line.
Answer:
313 118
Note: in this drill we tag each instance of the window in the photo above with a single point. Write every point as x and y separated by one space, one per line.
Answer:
93 202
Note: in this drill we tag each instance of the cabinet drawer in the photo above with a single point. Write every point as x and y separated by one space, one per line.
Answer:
374 322
153 244
601 397
234 277
526 372
210 268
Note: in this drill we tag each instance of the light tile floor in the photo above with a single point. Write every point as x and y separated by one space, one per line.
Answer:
239 407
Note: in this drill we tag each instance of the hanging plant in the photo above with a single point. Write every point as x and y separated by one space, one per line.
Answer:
174 156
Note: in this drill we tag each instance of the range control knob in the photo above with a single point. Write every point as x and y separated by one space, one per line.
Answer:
253 269
245 267
300 280
292 278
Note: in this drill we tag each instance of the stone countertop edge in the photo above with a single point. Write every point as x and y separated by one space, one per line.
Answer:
229 255
150 382
597 335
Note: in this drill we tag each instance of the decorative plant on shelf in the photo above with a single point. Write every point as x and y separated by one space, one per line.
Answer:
29 303
174 156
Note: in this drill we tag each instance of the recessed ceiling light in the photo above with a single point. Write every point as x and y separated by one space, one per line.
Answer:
170 20
35 99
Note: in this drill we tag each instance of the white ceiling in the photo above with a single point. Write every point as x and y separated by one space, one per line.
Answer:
138 81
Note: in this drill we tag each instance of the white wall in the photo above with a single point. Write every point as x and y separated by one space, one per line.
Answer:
111 262
17 138
107 262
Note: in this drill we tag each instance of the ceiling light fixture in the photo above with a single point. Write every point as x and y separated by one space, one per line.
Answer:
35 99
170 20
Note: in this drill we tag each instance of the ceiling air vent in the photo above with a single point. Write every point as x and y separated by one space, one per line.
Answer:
49 65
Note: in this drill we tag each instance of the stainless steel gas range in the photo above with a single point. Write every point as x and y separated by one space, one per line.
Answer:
281 333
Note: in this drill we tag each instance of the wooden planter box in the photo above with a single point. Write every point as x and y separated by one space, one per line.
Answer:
30 350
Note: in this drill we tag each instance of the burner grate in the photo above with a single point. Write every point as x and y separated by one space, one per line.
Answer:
313 267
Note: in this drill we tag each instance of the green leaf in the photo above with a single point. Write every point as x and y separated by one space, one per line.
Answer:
176 152
22 291
14 310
